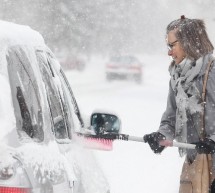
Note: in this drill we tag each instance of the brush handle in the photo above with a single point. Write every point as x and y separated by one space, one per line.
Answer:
168 143
183 145
125 137
165 143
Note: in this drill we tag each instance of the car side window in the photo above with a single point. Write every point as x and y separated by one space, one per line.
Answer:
57 107
73 116
73 110
25 95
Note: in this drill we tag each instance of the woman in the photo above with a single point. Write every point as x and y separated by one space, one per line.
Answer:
191 51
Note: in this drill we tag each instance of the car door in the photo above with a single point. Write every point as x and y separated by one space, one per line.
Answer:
90 176
37 121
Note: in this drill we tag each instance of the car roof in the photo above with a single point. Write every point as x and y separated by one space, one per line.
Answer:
15 34
12 34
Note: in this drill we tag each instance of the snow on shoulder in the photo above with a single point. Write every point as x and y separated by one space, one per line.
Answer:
13 34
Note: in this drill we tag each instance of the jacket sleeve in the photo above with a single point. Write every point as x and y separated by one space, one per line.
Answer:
167 125
210 105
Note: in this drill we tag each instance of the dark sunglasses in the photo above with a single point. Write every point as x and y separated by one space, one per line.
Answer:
170 45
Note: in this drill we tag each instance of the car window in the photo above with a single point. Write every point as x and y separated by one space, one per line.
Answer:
25 95
70 105
69 97
58 108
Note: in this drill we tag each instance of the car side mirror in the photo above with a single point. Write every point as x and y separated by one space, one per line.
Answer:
104 123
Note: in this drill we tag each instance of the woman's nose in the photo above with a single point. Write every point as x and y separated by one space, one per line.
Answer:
170 52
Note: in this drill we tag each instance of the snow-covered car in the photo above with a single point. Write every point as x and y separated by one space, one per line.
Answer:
39 118
124 67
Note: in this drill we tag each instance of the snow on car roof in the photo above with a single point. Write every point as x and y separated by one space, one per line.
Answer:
12 34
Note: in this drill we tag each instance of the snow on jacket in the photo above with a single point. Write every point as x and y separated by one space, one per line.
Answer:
169 118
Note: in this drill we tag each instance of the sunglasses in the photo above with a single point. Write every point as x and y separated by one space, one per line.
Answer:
171 45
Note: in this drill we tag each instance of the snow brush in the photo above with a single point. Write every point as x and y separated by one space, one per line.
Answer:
105 141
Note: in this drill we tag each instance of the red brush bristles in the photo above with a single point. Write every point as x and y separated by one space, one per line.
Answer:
97 143
101 141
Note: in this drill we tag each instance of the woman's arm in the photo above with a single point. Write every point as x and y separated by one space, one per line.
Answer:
210 104
167 124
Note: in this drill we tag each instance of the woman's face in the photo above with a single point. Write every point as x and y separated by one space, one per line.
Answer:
175 49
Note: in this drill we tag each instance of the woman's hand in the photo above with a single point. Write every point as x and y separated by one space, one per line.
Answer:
207 146
153 140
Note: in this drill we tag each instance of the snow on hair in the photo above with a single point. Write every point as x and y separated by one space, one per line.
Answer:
192 35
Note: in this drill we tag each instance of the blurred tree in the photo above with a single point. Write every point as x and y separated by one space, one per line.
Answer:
102 26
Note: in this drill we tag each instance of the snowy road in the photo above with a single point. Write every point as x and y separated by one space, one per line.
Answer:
131 166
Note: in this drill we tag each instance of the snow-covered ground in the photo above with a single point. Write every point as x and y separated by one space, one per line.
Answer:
131 166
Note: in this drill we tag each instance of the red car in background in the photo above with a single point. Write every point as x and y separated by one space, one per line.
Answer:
124 67
72 62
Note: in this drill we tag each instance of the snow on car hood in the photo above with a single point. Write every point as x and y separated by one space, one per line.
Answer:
45 160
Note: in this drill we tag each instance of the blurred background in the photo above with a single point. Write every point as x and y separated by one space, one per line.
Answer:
105 27
84 35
